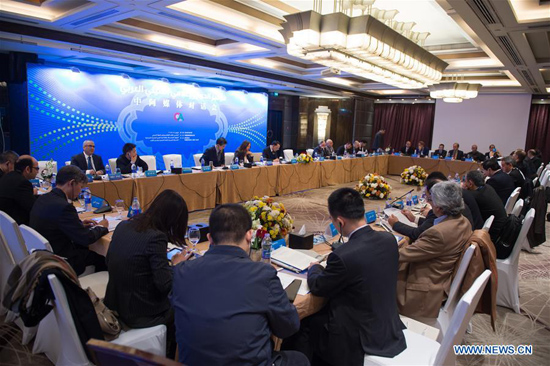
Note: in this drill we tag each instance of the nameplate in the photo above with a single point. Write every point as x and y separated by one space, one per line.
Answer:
276 244
97 202
415 200
370 216
234 167
206 168
333 230
414 155
321 158
269 163
338 158
469 159
435 157
398 204
396 154
186 170
90 178
293 161
35 182
448 158
150 173
116 176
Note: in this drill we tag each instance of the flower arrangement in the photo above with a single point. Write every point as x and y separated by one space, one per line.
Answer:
270 217
304 158
414 175
373 186
47 172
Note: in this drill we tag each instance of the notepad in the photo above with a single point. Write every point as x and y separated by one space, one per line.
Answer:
402 218
291 259
287 278
113 221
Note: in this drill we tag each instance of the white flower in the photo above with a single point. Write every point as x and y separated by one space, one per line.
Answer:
381 195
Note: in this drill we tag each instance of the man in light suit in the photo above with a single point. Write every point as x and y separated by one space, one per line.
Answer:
426 269
89 162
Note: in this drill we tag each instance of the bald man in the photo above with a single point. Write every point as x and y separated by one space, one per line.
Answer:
476 155
89 162
16 192
329 147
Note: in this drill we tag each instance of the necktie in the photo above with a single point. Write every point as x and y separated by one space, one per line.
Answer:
454 154
90 166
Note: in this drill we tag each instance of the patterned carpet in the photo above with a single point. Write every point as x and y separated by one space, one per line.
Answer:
308 208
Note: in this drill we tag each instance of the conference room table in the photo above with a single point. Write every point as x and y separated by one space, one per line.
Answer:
205 190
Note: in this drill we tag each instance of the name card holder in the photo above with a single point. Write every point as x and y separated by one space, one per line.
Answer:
414 155
448 158
234 167
97 202
35 182
339 158
150 173
469 159
370 216
116 176
293 161
276 244
435 157
90 178
321 158
186 170
206 168
415 200
396 153
269 163
333 230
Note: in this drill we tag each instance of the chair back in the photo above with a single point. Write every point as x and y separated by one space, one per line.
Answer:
540 169
461 317
71 351
176 158
106 354
451 302
151 161
12 237
42 166
512 201
197 159
229 158
544 177
488 223
288 154
6 265
33 239
112 164
310 151
516 211
257 157
513 259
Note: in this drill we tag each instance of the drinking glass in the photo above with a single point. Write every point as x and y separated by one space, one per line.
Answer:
194 236
119 206
81 199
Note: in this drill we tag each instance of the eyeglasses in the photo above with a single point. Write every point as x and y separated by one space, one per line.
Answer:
89 145
35 167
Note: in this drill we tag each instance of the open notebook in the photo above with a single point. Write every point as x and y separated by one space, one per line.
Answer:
291 259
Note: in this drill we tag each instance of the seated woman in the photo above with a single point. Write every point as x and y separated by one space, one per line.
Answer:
243 153
140 277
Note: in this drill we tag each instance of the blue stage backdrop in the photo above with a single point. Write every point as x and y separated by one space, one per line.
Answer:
66 108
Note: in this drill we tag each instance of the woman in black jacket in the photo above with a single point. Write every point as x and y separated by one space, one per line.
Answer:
243 153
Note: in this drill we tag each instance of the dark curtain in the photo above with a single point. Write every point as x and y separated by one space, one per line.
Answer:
538 131
404 122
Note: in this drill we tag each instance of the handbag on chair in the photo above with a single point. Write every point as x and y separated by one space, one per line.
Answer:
107 320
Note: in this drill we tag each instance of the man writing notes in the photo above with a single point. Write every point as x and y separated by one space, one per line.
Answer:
89 162
359 282
129 156
273 151
320 150
215 154
440 152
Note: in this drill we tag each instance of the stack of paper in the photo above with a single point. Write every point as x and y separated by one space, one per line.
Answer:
402 218
287 278
113 221
291 259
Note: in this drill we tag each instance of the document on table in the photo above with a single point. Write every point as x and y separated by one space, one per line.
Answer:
402 218
113 221
291 259
287 278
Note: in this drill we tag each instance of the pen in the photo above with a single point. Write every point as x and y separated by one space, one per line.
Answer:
103 216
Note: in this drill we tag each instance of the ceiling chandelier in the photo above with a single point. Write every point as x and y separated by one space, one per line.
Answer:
382 49
454 92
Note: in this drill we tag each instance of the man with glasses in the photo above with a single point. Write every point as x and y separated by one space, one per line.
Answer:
7 162
89 162
16 191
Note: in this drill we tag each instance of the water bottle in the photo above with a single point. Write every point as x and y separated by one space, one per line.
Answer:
457 178
409 201
262 159
266 249
449 178
107 169
134 170
236 161
171 165
135 208
202 162
87 200
53 181
388 203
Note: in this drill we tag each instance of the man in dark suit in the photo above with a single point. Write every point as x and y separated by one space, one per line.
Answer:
16 192
320 150
407 150
129 156
273 152
347 147
57 220
534 158
514 173
240 302
488 201
329 148
378 141
499 180
89 162
475 154
359 282
422 151
7 162
441 152
524 164
216 153
455 153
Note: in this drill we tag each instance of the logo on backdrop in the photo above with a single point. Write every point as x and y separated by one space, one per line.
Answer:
178 117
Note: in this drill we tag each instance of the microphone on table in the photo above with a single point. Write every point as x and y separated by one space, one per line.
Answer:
104 208
398 198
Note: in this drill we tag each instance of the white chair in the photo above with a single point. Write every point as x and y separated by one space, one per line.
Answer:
229 158
517 208
6 265
112 164
65 347
539 170
488 223
197 159
310 151
96 281
151 161
508 285
42 166
176 158
288 154
12 236
512 201
535 181
33 240
257 157
424 351
544 178
67 162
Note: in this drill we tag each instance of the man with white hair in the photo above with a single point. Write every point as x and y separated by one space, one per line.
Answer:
425 274
87 161
329 148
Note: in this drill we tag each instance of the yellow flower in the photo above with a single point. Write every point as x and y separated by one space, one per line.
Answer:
253 209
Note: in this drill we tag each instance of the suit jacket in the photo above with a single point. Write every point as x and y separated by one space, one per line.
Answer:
378 142
440 153
426 269
226 307
476 156
407 151
56 219
422 152
459 154
319 151
537 233
527 168
414 232
517 177
80 161
211 155
491 154
2 173
140 277
16 196
270 155
489 203
503 185
341 150
125 165
470 202
359 283
330 150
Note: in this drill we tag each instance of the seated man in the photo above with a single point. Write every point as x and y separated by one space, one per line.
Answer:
425 276
320 150
407 150
329 148
363 146
356 146
57 220
455 153
215 154
535 159
347 147
16 192
359 282
129 156
499 180
89 162
524 164
475 155
492 153
514 173
488 201
226 305
440 152
273 152
7 162
422 151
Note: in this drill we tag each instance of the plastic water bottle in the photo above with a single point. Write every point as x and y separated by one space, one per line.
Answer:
388 203
262 159
136 208
457 178
134 170
449 177
171 165
107 169
409 201
202 162
53 181
266 249
87 199
236 161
